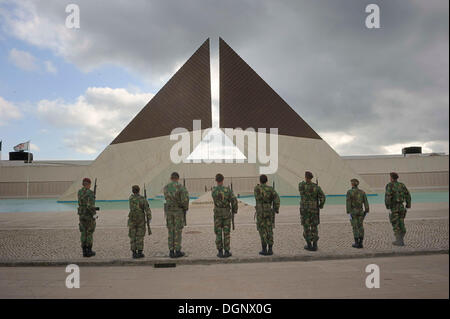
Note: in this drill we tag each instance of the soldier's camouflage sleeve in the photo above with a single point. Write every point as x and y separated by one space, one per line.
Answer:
321 196
130 202
90 202
349 202
407 197
147 209
165 192
366 203
233 202
256 192
276 201
388 196
184 198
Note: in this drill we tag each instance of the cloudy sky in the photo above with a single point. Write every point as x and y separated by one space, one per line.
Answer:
365 91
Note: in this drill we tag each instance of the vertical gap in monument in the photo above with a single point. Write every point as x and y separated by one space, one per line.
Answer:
215 145
214 66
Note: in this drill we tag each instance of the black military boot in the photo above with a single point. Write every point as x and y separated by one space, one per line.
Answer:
85 254
308 246
179 254
270 251
360 242
140 254
398 241
356 244
89 251
172 254
220 253
227 254
402 242
134 254
264 249
314 247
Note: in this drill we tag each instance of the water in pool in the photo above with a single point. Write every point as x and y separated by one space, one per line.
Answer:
48 205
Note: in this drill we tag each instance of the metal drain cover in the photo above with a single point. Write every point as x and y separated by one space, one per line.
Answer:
165 265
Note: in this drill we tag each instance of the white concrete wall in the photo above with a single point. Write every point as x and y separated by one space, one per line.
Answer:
121 165
399 164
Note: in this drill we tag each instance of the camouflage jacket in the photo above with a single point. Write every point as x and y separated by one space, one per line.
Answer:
223 197
177 197
356 198
396 194
266 198
86 202
310 195
139 207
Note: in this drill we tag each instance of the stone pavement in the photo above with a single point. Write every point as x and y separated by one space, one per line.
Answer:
400 277
52 238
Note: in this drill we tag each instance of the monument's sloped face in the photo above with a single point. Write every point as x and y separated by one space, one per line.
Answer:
297 155
185 97
122 165
147 161
246 100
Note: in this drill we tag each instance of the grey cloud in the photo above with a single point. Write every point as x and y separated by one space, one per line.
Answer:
318 55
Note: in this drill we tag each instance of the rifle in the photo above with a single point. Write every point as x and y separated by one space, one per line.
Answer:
95 195
273 215
146 218
232 214
318 206
184 210
232 219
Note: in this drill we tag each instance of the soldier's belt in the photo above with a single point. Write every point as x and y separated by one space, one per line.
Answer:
222 210
307 205
173 207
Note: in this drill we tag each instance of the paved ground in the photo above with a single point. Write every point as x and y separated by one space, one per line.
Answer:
54 236
400 277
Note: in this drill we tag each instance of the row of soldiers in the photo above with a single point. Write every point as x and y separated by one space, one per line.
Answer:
312 200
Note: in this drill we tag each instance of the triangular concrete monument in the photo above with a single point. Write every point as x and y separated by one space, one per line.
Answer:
141 153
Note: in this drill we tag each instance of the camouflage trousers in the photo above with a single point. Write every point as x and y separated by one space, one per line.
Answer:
222 228
175 225
87 227
357 219
310 222
264 225
136 232
397 219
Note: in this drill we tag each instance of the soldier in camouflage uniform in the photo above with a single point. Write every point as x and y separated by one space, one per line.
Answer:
356 198
177 203
139 213
86 212
395 196
312 199
267 205
225 204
